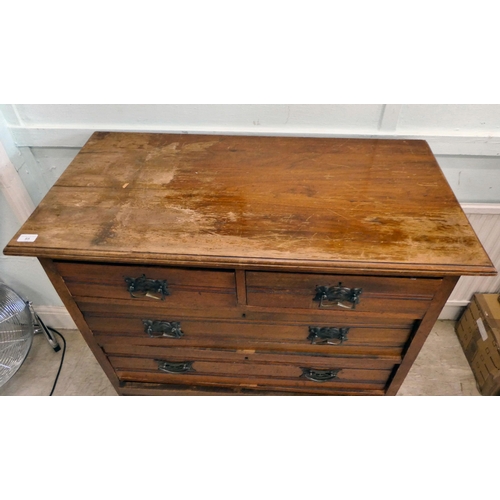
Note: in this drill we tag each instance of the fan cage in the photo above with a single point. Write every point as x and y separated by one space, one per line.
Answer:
16 332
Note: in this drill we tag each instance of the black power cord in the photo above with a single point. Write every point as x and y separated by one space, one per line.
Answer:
47 331
62 358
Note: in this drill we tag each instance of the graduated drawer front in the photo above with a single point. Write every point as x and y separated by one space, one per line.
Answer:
391 296
186 288
285 371
185 331
163 309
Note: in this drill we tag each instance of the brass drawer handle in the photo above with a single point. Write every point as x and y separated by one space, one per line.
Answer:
145 287
327 335
319 375
338 294
159 328
168 367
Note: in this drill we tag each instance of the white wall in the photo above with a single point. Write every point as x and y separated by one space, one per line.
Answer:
464 138
43 139
25 275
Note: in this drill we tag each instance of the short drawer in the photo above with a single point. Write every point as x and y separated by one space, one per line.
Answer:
279 371
341 292
186 288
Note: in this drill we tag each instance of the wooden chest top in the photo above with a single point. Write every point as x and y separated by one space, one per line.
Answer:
281 202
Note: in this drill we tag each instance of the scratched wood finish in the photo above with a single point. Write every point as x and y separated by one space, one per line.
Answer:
146 370
232 200
239 384
180 354
144 389
243 229
109 343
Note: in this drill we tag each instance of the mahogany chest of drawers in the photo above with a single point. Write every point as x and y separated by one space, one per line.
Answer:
253 265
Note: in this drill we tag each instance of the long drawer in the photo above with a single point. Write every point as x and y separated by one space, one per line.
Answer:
334 292
150 389
324 336
177 287
314 374
247 357
158 308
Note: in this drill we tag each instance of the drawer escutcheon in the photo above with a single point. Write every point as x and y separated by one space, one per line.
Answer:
159 328
147 287
338 294
327 335
319 375
168 367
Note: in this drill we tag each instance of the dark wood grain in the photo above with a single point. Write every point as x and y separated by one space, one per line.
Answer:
109 343
79 320
372 286
152 389
288 367
245 357
241 286
189 288
114 276
351 379
254 331
255 313
406 308
421 334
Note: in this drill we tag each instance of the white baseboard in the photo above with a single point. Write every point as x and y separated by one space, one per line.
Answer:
481 208
452 310
56 316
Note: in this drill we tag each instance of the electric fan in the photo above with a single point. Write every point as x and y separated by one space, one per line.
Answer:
18 324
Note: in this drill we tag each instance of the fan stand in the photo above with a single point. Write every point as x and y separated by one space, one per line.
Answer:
39 327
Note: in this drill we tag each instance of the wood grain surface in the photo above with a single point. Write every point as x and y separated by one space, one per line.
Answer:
247 331
239 233
316 203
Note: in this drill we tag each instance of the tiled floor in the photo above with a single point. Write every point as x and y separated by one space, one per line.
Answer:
440 369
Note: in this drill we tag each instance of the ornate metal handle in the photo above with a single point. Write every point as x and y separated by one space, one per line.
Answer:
337 294
168 367
147 287
319 375
327 335
159 328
